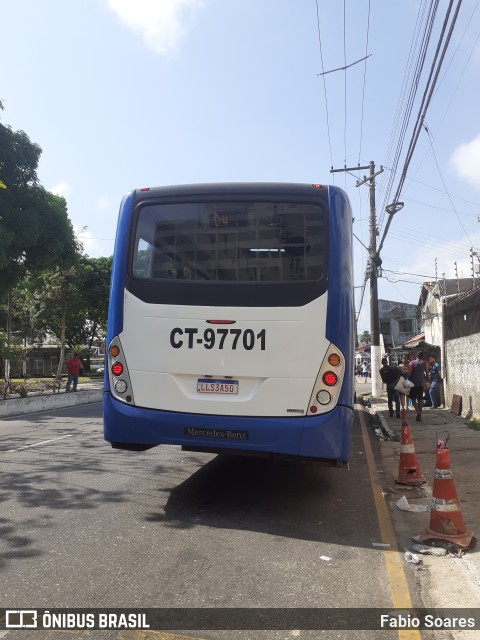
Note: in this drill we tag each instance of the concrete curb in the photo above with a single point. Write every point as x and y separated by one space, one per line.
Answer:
386 426
31 404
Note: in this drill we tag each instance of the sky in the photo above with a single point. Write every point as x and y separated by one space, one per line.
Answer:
121 94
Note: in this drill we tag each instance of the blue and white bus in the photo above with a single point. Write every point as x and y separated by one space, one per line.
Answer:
231 321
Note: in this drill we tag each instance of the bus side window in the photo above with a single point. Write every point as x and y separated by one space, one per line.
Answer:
142 265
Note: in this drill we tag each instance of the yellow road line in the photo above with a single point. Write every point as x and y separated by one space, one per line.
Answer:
393 560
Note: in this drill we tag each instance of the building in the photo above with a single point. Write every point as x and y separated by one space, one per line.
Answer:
433 296
399 321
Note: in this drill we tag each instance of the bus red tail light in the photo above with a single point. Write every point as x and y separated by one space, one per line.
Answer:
117 368
330 378
329 382
120 388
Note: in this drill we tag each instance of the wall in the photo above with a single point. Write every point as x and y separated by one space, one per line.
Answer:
33 403
463 362
392 312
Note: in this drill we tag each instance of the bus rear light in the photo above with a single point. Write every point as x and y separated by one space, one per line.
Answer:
324 397
330 378
313 409
120 386
329 383
334 359
119 382
117 368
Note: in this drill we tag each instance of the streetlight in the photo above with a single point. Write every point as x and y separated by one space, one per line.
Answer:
393 208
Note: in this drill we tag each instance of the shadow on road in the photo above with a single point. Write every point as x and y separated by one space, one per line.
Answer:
295 499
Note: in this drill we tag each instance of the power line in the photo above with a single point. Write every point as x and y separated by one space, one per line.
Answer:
455 53
444 184
408 273
352 64
460 78
428 243
403 280
414 83
364 82
428 92
427 96
324 83
419 242
429 186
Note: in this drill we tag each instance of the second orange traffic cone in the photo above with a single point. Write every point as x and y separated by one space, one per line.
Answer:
409 471
446 522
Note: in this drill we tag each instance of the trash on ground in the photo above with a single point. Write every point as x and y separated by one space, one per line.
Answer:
404 505
406 488
411 557
381 545
430 551
326 558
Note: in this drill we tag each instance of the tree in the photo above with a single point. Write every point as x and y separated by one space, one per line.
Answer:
365 338
72 304
35 231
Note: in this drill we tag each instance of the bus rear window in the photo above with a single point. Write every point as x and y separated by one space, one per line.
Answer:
231 242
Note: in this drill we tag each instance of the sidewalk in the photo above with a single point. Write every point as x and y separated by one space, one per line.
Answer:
446 581
88 392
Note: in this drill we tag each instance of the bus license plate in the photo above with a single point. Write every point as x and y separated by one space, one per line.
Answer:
225 387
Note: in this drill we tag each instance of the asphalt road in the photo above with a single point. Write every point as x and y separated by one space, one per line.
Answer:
83 525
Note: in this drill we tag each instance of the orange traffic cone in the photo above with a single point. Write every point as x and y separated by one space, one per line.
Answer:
409 471
446 522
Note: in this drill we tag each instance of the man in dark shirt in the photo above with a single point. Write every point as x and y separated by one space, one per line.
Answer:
417 373
389 375
435 380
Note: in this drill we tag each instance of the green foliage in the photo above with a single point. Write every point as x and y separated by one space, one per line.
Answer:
10 351
19 158
365 339
81 293
41 265
473 423
35 231
23 391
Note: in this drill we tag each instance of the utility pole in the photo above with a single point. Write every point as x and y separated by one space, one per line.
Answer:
374 264
474 266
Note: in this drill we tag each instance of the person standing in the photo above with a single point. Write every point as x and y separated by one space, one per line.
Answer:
389 375
365 371
435 378
417 373
74 365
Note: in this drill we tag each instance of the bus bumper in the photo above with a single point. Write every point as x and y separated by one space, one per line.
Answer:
324 436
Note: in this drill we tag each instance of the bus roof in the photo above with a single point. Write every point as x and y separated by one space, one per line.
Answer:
229 187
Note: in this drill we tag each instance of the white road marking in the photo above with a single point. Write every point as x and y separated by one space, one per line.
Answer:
37 444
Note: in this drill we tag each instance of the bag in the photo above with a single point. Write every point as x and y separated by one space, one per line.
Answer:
403 385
